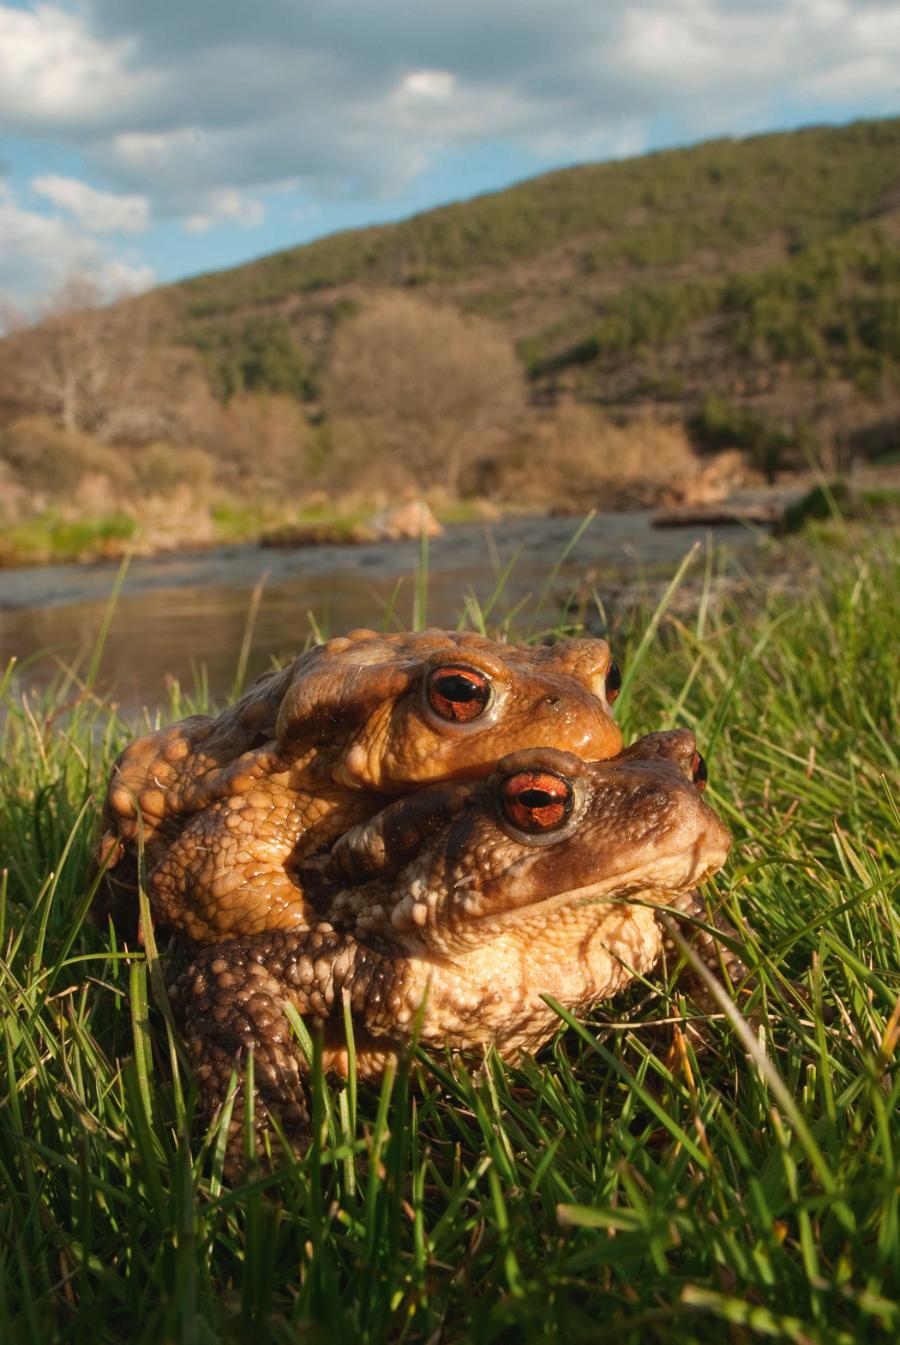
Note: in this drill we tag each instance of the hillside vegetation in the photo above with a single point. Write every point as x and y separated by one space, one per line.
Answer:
759 269
739 294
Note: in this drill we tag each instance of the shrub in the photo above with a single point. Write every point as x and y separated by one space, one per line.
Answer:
263 355
263 443
719 424
54 462
824 500
163 469
576 455
412 390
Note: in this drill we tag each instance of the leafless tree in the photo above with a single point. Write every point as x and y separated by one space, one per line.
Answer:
102 370
412 389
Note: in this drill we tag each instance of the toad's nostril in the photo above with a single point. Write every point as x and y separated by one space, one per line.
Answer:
699 773
552 700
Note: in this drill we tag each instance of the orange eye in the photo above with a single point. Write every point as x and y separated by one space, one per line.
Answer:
613 682
536 800
699 773
459 694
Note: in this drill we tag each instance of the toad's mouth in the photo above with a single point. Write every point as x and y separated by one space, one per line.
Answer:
656 886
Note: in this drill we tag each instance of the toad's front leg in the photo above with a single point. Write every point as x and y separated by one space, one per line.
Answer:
231 1000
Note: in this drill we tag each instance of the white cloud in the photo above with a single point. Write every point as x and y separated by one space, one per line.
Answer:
54 71
695 47
226 206
237 97
99 212
40 253
147 153
428 84
195 112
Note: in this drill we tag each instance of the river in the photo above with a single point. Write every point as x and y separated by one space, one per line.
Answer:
181 613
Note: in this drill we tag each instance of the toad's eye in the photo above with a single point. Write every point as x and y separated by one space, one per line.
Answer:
536 800
613 682
458 694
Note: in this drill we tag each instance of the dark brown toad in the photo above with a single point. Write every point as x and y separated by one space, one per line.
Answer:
458 909
228 810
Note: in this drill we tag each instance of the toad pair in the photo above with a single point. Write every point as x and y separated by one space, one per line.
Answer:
438 829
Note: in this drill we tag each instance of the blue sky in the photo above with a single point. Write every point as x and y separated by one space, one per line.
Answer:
144 140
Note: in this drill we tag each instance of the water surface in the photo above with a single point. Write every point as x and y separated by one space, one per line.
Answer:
178 612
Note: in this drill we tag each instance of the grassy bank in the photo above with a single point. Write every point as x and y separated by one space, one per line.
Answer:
47 538
621 1187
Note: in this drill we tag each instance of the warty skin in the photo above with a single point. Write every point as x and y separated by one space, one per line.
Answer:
227 810
443 911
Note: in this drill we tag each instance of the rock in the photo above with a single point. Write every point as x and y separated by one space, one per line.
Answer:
406 523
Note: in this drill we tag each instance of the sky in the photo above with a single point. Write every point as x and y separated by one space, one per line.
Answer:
145 140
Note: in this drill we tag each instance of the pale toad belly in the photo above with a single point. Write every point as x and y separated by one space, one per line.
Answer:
578 956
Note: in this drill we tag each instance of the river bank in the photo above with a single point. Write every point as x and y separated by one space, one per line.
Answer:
164 527
177 611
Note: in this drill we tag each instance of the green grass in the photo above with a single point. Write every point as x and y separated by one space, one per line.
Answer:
620 1187
47 538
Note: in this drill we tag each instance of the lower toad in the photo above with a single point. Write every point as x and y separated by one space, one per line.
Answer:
455 911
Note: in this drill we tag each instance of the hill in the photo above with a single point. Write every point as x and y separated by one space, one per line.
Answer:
740 293
760 270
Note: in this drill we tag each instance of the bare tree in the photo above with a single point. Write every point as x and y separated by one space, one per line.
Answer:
412 389
99 370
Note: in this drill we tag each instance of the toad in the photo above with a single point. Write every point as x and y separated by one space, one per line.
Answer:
227 810
451 914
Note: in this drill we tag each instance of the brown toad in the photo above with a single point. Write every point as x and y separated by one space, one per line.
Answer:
455 910
228 809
